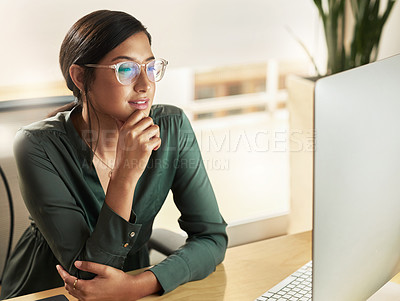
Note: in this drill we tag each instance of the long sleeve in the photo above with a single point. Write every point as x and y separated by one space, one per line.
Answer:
200 218
65 198
46 181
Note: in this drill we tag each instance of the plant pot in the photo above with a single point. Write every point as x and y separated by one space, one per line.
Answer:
301 146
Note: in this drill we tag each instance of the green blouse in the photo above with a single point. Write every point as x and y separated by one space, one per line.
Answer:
71 221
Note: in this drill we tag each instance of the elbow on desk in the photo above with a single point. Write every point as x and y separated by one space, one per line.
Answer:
222 243
217 245
216 249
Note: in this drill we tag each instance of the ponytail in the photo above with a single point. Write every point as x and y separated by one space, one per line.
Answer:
66 107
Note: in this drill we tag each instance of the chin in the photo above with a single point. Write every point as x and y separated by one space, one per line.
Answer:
124 117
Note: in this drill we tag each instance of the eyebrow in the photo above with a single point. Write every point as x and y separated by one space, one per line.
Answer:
123 57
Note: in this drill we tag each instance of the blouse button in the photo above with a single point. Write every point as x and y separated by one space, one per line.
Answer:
132 234
125 245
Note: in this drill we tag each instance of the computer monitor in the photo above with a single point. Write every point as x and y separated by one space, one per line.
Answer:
356 224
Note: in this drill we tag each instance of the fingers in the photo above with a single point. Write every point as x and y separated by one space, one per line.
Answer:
152 132
92 267
63 274
141 125
70 282
66 277
135 118
157 146
132 119
75 288
142 132
155 143
150 138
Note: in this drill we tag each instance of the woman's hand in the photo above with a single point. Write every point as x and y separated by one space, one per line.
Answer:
109 284
138 137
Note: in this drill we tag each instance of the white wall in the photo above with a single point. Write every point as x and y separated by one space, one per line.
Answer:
187 33
390 40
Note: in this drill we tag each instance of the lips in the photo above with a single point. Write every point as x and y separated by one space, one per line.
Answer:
139 104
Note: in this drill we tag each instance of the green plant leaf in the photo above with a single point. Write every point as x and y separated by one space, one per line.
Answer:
366 32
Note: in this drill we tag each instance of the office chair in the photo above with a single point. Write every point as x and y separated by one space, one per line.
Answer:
165 241
6 247
240 232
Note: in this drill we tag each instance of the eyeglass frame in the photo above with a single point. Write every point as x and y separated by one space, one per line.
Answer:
116 67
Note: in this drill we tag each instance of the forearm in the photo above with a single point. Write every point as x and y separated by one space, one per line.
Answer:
116 231
120 191
109 284
142 285
109 243
194 261
138 137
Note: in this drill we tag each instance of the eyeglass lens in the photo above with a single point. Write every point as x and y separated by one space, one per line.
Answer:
128 72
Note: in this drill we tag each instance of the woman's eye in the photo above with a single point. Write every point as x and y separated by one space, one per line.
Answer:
125 69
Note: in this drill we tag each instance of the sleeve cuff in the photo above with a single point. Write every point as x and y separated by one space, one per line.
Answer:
113 234
170 276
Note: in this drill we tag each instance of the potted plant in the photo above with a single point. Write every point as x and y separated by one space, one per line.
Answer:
352 39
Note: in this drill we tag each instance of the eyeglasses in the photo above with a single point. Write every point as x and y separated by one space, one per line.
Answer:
128 72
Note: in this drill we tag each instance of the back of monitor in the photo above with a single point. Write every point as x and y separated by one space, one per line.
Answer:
356 238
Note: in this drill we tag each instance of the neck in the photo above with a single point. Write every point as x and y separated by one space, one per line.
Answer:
98 131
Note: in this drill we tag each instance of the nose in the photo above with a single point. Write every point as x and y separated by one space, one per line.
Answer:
142 84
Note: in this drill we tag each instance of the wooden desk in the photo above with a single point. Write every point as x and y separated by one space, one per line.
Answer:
247 272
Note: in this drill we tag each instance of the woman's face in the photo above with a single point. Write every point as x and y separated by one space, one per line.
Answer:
112 99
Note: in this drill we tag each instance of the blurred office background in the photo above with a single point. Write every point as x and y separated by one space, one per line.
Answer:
228 66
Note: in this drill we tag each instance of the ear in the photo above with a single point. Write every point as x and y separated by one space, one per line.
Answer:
76 74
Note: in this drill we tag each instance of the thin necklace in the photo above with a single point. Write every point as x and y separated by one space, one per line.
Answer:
104 163
111 169
94 153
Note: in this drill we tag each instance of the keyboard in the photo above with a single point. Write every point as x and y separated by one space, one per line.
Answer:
297 287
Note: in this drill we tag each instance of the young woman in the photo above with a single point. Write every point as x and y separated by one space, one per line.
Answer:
94 176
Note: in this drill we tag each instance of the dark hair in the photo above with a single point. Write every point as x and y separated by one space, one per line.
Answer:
89 40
